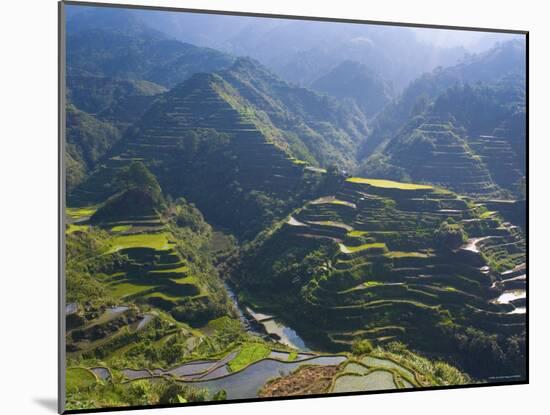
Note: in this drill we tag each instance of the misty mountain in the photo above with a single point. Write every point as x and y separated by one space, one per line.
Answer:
356 81
469 137
303 51
120 45
504 60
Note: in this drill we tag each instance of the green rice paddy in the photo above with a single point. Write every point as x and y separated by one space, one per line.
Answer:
79 378
158 241
81 212
352 249
72 227
401 254
248 354
125 289
121 228
388 184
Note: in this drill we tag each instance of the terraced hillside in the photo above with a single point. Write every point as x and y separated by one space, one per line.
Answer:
278 373
148 320
145 263
384 261
320 129
201 136
220 245
493 116
499 72
432 150
143 294
500 157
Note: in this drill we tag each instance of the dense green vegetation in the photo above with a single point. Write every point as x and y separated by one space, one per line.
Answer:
248 354
446 155
118 101
396 262
159 269
88 139
240 156
318 129
233 235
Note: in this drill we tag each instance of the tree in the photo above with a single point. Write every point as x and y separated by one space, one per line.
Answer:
449 235
221 395
361 346
137 176
333 178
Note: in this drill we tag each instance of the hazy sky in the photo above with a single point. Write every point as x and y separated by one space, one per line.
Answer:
473 41
301 51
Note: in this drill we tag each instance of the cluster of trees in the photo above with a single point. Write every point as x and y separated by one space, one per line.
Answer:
481 107
138 177
139 393
88 139
86 265
482 354
449 235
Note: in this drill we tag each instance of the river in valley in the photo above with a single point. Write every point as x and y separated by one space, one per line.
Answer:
262 324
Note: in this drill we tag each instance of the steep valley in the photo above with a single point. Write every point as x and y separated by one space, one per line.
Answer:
232 235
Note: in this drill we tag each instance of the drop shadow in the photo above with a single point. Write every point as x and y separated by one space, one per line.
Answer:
48 403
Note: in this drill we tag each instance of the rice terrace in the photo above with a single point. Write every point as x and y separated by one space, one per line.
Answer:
249 222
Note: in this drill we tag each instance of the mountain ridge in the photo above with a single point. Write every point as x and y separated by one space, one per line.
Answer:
355 80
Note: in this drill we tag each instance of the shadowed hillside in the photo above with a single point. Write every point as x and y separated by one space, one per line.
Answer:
200 136
318 129
245 135
88 139
121 102
431 149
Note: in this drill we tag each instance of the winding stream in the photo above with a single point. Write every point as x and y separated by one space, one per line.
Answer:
286 335
271 325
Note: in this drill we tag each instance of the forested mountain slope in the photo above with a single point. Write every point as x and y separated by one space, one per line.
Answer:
487 117
122 46
506 60
316 128
88 139
194 139
303 51
354 80
116 65
231 234
243 134
119 101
